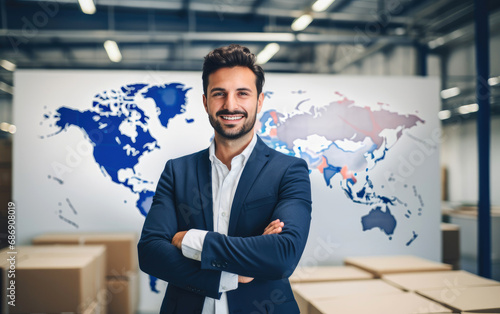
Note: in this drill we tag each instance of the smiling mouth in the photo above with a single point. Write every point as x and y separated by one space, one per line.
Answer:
231 118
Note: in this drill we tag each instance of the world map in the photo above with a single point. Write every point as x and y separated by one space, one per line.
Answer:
341 140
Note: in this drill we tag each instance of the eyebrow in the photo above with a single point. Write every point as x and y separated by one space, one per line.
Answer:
220 89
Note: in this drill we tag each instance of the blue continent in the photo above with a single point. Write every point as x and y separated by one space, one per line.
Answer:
109 143
377 218
170 99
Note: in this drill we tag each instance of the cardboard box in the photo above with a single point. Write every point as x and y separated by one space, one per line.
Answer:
121 248
50 281
404 303
437 280
480 299
123 294
380 265
95 308
98 252
5 269
305 293
98 306
328 273
450 237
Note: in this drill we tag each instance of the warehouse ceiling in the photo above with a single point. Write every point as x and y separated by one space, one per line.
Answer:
176 34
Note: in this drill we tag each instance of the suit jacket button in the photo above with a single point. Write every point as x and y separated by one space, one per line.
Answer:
213 264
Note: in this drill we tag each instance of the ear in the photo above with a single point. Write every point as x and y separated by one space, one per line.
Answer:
205 103
260 102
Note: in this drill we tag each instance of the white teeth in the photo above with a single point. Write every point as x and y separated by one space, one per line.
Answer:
231 118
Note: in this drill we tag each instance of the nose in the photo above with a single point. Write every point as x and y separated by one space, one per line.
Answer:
231 102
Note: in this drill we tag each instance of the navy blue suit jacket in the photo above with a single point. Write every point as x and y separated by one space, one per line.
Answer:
271 186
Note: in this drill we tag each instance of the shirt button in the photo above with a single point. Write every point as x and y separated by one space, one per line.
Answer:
223 214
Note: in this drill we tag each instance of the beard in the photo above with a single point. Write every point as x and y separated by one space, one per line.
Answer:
232 132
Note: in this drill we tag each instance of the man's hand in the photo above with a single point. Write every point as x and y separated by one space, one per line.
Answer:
177 239
243 279
275 226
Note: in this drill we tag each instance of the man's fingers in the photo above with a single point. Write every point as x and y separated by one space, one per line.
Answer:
274 227
271 225
243 279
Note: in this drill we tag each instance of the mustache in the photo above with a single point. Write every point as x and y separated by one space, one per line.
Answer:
225 112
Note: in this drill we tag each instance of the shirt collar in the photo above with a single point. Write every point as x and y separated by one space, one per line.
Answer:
245 153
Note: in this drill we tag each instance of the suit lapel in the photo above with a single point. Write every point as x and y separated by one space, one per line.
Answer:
257 160
205 189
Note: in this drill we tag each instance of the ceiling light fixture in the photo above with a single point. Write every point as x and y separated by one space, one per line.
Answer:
302 22
7 127
321 5
465 109
450 92
7 65
87 6
267 53
494 80
6 88
113 51
444 114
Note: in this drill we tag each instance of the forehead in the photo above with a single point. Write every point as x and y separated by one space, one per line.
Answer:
236 77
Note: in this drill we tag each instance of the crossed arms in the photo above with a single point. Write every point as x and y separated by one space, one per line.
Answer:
272 255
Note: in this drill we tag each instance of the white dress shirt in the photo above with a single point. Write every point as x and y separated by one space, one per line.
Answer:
224 184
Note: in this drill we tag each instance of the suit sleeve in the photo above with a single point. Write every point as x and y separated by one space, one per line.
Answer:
268 257
159 257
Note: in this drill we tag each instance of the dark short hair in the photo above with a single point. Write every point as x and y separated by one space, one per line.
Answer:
229 57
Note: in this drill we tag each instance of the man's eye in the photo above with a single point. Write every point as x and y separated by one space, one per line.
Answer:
218 94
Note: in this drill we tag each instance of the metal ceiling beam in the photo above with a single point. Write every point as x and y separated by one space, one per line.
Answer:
449 17
345 62
70 36
462 34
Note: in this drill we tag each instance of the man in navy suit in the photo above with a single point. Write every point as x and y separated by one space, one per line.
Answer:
228 224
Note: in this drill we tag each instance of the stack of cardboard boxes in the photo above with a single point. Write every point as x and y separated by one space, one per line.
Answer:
392 284
53 279
122 288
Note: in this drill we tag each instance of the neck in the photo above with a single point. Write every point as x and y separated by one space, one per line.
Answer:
227 149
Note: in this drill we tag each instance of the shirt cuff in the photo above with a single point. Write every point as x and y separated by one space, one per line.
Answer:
228 281
192 243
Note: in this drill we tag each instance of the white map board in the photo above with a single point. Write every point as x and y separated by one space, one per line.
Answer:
91 145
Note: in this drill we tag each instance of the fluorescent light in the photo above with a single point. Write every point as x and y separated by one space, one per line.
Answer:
321 5
113 51
7 65
444 114
302 22
267 53
465 109
400 31
494 80
87 6
7 127
6 88
450 92
4 126
436 42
